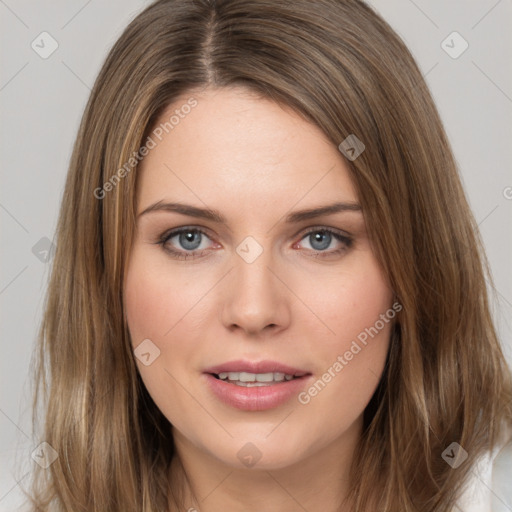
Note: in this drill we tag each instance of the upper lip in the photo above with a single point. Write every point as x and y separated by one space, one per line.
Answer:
256 367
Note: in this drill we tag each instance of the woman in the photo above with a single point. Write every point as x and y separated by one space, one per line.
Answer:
268 291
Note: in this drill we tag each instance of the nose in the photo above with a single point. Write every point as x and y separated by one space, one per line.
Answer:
256 300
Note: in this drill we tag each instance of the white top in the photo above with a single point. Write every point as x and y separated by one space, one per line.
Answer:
490 488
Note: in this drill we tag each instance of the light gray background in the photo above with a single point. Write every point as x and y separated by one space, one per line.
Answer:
42 101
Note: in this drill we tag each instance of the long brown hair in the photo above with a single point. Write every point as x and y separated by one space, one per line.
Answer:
342 67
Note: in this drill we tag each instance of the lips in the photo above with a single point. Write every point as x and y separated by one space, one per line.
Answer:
255 386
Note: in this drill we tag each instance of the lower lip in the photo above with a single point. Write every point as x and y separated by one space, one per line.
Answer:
257 398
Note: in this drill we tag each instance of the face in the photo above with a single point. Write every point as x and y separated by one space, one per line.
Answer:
257 310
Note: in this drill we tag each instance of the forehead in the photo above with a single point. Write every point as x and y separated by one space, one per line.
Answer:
234 148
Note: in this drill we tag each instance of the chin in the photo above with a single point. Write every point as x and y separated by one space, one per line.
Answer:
259 453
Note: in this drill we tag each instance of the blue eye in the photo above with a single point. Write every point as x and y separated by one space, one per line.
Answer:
188 241
321 239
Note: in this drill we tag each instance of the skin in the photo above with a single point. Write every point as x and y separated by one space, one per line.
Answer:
255 162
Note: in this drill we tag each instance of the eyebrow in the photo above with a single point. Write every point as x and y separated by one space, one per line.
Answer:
216 216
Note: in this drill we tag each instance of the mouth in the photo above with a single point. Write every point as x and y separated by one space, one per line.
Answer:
255 386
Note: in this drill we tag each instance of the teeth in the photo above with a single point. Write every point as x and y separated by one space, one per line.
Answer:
244 378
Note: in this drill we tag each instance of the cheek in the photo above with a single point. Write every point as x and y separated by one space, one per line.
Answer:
356 307
158 307
156 310
156 302
348 302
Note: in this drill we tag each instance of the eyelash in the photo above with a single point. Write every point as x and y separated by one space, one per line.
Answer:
184 255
